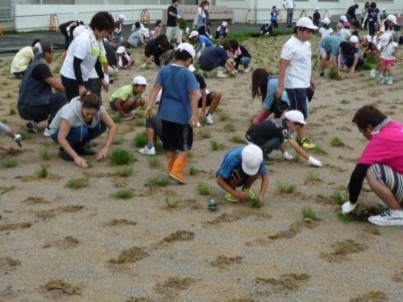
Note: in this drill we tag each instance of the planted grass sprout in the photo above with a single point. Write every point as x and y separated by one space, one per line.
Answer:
123 194
43 172
10 162
159 181
203 189
339 197
307 212
140 140
78 183
172 201
153 161
237 139
336 142
193 170
286 188
120 157
45 155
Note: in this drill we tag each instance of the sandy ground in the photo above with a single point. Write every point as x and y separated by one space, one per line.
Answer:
63 244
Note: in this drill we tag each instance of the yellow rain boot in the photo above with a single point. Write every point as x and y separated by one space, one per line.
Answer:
177 169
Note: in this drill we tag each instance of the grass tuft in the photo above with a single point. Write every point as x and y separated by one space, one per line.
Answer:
10 162
307 212
339 197
172 201
153 161
123 194
237 139
203 189
229 127
193 171
120 157
336 142
205 133
319 149
43 172
286 188
159 181
140 140
78 183
45 155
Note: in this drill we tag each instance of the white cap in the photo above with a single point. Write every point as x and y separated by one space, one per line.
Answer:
225 24
316 8
252 157
78 30
267 23
121 49
325 21
194 33
354 39
343 18
139 80
384 39
188 47
383 9
122 17
38 48
191 68
295 116
392 18
306 22
368 38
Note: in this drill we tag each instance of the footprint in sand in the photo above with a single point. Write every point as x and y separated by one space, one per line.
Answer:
172 285
225 261
60 288
342 249
375 296
286 283
67 243
8 264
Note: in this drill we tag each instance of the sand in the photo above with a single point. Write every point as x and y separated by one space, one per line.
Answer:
59 243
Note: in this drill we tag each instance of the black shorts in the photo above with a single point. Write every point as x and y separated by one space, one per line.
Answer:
238 174
298 100
176 137
208 101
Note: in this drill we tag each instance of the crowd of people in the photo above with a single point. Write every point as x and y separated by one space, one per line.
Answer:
75 114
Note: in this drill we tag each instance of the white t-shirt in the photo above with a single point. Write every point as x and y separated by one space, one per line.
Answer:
325 32
80 48
289 3
298 72
388 51
344 33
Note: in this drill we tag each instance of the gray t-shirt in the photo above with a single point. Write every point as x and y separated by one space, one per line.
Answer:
72 113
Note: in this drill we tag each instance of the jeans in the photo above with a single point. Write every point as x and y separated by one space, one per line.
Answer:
349 61
118 38
290 12
82 134
245 61
272 144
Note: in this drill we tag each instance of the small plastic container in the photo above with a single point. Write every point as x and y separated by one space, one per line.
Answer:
212 205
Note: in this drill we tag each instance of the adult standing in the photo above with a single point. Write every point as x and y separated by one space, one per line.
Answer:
67 30
373 16
172 22
118 29
85 53
351 13
289 5
363 13
199 22
295 72
36 102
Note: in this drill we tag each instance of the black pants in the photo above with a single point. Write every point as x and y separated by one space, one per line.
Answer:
71 87
41 113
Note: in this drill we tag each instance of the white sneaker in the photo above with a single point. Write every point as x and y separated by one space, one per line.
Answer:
246 70
47 132
209 119
388 217
373 73
147 151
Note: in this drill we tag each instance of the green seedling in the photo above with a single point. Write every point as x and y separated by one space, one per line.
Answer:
140 140
333 75
120 157
139 123
116 118
12 111
43 172
45 155
237 139
9 95
336 142
345 218
125 172
229 127
313 176
307 212
10 162
204 133
153 161
339 197
123 194
203 189
78 183
159 181
319 149
193 170
286 188
172 201
215 145
223 118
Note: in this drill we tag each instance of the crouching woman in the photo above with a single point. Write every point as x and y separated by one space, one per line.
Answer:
79 122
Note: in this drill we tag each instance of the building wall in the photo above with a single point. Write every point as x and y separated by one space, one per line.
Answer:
29 17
